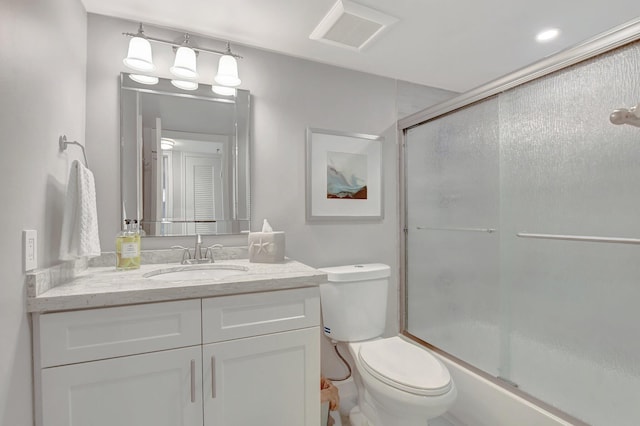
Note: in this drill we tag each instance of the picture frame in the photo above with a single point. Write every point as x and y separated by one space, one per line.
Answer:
343 176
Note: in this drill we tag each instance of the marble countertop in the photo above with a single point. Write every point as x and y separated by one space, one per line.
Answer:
103 286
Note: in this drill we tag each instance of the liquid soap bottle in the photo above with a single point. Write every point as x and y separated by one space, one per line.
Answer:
127 248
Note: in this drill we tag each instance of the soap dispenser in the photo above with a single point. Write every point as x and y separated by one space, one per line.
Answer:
127 247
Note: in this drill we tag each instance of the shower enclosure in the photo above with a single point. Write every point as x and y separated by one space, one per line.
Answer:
522 231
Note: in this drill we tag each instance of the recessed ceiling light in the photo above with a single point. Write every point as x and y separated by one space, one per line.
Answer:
547 35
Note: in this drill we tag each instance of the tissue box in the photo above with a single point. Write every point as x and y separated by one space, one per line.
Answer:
266 247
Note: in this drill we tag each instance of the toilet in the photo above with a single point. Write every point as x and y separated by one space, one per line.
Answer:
398 382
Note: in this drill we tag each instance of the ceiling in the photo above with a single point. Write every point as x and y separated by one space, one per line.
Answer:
454 45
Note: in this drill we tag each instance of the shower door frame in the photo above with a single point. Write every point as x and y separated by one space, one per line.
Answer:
610 40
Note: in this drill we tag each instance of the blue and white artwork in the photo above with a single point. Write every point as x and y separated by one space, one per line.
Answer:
346 176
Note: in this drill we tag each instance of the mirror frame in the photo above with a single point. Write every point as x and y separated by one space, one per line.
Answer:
131 156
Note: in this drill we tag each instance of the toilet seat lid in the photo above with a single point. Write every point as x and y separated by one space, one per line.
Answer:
405 366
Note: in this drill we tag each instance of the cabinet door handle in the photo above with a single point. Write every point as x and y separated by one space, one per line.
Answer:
213 377
193 380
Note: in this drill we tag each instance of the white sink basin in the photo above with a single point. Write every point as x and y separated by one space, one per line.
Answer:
197 272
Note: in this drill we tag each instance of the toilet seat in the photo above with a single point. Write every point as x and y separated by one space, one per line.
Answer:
405 366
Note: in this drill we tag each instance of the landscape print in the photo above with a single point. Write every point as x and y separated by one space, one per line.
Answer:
346 176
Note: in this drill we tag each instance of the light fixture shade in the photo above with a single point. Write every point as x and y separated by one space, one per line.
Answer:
144 79
139 55
185 85
223 90
166 143
227 71
184 65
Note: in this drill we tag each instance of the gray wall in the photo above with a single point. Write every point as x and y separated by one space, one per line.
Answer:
42 95
288 95
57 60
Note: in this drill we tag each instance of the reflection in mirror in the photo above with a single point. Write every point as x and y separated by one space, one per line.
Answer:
184 159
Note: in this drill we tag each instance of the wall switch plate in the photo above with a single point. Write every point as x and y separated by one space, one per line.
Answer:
30 247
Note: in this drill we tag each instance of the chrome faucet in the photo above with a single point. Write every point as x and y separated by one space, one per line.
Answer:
197 257
209 253
197 252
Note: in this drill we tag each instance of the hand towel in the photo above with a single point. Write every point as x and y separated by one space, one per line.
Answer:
79 237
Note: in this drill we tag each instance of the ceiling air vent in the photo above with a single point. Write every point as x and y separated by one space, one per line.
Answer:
351 25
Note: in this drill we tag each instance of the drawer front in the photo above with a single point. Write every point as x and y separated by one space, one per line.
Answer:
233 317
78 336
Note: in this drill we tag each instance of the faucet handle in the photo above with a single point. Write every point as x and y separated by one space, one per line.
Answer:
209 252
186 254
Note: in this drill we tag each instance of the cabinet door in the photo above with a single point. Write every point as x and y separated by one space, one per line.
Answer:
270 380
156 389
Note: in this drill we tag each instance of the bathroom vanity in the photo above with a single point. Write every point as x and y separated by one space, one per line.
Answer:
121 348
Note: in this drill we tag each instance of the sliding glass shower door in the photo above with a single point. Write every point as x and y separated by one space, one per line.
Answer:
453 296
521 214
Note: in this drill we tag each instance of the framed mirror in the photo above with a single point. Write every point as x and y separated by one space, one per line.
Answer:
184 159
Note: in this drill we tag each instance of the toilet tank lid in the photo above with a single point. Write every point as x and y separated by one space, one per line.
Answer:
361 272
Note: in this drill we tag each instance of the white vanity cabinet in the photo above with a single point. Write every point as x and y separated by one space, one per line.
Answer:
159 388
129 365
249 359
261 359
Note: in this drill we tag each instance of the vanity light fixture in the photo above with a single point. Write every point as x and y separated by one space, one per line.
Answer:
144 79
228 70
184 66
224 91
185 84
139 54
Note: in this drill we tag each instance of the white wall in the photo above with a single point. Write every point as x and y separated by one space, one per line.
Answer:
42 95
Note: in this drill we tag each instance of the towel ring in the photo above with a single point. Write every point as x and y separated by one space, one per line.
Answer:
62 140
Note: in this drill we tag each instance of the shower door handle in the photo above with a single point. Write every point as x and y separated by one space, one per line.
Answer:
213 377
457 229
583 238
193 380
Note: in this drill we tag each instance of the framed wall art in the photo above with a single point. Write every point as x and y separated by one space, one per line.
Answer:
344 176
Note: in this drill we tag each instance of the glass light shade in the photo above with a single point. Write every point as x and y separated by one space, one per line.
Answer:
144 79
166 143
185 85
139 55
228 71
184 65
224 91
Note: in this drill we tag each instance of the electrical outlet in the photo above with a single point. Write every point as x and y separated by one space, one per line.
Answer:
30 245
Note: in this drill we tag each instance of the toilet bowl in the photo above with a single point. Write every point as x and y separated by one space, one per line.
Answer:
398 382
405 384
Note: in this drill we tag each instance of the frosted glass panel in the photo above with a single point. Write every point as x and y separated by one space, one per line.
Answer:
566 170
452 195
559 318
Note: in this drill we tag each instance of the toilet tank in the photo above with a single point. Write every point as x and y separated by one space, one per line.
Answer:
354 301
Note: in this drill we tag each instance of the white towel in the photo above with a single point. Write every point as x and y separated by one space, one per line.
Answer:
80 236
